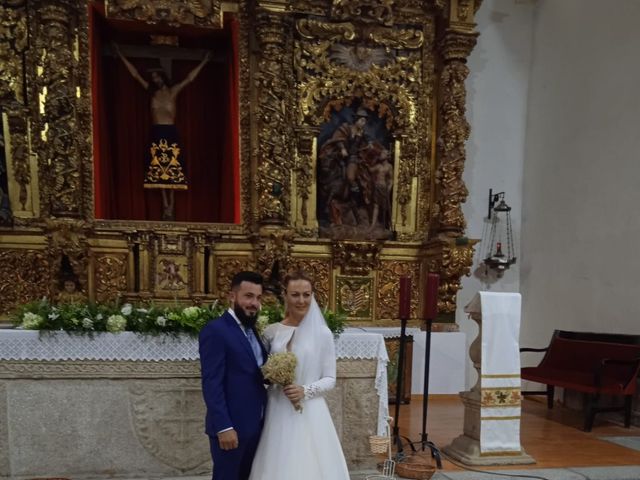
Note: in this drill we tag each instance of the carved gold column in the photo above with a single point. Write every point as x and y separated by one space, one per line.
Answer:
273 83
56 92
456 45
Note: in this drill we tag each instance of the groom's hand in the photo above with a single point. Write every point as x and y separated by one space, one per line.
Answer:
228 439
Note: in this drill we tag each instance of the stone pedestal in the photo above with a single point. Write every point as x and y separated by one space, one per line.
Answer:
82 419
492 392
466 447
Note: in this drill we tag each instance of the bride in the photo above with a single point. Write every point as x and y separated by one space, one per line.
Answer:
301 445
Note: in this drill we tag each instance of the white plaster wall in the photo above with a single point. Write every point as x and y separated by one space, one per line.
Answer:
581 223
497 102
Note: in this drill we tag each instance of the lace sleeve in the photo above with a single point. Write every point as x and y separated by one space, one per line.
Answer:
319 387
327 379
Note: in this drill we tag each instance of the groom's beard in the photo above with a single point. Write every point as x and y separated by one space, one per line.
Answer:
247 321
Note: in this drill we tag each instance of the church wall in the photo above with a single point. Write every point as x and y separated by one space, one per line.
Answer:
580 220
497 89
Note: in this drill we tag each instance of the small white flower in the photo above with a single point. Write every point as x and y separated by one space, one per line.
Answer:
87 323
99 316
116 323
142 310
53 315
126 309
161 321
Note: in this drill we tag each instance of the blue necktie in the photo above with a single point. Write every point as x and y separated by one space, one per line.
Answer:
255 345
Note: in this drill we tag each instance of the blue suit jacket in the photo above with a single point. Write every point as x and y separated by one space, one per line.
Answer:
232 383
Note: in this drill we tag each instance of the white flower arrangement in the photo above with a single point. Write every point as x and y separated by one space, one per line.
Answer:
31 321
191 312
116 323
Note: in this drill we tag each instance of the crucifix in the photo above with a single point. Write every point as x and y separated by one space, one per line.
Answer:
164 169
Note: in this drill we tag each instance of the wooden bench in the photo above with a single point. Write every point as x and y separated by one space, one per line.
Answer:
592 363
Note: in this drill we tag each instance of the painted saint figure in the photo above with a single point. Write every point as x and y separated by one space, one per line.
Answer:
340 162
164 168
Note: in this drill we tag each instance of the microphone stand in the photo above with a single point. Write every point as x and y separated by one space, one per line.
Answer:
424 438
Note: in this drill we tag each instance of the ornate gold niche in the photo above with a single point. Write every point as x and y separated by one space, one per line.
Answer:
290 81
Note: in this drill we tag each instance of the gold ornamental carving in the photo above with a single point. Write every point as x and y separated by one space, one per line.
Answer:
26 275
389 288
13 44
226 267
379 11
354 296
56 84
454 133
201 13
315 29
245 92
455 262
110 276
273 87
275 254
357 258
396 38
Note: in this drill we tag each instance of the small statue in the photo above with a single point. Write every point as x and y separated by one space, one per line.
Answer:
70 294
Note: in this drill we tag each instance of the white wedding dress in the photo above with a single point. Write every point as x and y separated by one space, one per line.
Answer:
301 445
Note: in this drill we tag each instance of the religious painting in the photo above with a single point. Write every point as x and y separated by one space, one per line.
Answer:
355 176
165 121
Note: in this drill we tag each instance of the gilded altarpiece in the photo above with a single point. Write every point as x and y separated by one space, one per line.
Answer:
306 68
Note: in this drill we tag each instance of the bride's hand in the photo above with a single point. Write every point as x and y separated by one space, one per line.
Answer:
295 393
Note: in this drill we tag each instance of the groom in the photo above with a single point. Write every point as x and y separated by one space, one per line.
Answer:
232 384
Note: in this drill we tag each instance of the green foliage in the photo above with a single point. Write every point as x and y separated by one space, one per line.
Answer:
335 321
91 317
274 313
88 318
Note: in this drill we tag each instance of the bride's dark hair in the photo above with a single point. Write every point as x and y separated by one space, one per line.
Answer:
296 275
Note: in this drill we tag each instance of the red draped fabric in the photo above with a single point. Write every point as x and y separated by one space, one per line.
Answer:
207 122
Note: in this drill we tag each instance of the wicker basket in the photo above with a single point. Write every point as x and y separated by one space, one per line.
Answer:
379 444
415 469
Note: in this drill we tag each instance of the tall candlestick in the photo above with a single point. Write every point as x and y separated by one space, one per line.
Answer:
405 297
431 296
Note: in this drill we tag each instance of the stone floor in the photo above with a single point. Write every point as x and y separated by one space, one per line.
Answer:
588 473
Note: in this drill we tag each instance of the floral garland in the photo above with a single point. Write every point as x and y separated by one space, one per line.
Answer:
88 318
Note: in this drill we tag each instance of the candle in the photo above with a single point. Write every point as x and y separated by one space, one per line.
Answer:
405 297
431 296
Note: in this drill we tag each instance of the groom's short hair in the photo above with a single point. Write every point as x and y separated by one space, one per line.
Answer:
245 276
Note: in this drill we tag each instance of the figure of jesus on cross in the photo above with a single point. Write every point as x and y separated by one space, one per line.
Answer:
164 169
